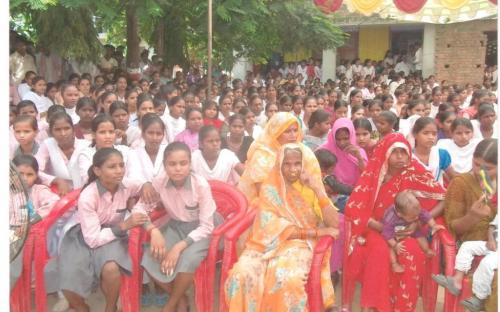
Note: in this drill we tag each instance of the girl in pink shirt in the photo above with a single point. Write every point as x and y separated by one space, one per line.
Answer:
194 122
96 248
178 247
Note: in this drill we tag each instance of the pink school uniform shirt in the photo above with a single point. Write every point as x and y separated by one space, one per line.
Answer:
98 207
188 137
43 199
191 202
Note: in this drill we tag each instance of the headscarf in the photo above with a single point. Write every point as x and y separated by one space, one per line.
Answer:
262 153
346 169
414 177
282 207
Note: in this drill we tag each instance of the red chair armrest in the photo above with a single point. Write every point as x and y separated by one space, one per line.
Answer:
157 214
61 207
313 287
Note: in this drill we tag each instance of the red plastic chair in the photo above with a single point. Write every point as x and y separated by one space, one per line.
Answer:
313 286
442 242
231 204
35 250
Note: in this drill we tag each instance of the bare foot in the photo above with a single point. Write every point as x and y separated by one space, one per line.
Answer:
397 268
183 304
429 253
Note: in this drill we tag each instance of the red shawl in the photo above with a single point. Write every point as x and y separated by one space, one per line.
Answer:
365 198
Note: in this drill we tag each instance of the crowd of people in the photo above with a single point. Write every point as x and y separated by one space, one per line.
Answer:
379 158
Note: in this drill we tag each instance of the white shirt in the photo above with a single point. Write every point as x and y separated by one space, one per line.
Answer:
19 65
72 113
223 169
23 89
402 67
174 125
418 59
42 102
144 169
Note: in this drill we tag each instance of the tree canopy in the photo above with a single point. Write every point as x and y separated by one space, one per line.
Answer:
177 29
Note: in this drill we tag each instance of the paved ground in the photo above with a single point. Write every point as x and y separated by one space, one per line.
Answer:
96 302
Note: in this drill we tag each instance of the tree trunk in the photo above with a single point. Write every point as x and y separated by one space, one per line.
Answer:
160 37
133 53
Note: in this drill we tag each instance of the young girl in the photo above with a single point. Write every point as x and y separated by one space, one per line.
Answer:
25 130
436 101
121 88
96 249
236 140
310 106
210 112
357 112
105 101
436 160
485 126
478 97
225 106
194 122
388 103
150 156
355 97
131 101
214 163
340 110
125 135
455 100
238 104
28 108
177 248
70 96
57 156
86 109
319 125
270 110
297 104
251 129
84 86
374 109
444 121
26 84
364 129
160 106
461 145
174 120
104 135
37 95
285 103
386 122
42 199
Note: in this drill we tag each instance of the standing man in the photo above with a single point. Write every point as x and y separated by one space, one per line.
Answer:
20 62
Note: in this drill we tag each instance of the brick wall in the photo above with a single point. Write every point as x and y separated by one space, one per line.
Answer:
461 50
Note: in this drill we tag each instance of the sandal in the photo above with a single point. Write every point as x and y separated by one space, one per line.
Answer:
447 282
472 304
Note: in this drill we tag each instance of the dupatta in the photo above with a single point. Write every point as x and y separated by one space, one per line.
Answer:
346 169
365 197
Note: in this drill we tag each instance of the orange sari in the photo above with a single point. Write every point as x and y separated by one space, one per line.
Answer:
272 271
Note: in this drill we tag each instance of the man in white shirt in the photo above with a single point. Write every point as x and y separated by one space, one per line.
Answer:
107 63
402 66
418 62
20 62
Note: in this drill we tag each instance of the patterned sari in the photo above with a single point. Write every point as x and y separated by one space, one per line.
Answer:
272 271
367 252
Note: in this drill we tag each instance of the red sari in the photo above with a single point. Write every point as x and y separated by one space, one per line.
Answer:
367 259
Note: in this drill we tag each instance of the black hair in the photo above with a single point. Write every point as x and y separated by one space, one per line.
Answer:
413 103
476 95
207 104
444 107
353 93
143 97
442 116
193 109
362 123
356 108
483 109
391 118
150 119
157 102
130 91
235 117
325 158
421 123
66 85
166 89
461 122
339 103
50 85
224 95
487 149
25 103
100 157
174 100
54 109
86 101
317 117
26 118
204 131
58 116
176 146
116 105
375 102
268 106
35 80
27 160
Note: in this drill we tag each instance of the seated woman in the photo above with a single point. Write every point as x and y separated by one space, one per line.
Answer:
271 273
466 213
389 171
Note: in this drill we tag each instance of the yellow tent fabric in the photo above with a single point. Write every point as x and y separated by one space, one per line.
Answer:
453 4
366 7
297 56
373 42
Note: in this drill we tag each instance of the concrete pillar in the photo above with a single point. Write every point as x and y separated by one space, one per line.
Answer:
329 65
429 50
240 68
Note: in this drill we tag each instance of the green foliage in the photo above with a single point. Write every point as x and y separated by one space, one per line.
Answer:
250 28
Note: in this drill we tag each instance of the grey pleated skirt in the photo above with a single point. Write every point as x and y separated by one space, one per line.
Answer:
190 258
80 266
16 268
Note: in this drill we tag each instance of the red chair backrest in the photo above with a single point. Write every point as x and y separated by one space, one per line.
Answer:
227 198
